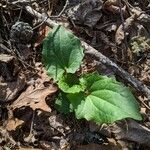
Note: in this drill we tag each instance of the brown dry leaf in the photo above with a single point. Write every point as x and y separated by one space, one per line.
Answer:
114 9
113 6
142 71
41 77
88 12
10 90
35 98
121 31
111 2
42 73
132 131
13 124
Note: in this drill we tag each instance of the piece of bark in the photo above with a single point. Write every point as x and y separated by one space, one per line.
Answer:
100 57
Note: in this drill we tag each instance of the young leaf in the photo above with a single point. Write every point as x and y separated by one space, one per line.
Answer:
62 52
70 83
105 101
91 78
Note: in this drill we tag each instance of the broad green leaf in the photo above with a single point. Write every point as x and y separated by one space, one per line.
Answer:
62 52
62 104
70 83
106 101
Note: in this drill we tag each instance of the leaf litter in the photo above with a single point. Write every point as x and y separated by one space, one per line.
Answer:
35 98
28 117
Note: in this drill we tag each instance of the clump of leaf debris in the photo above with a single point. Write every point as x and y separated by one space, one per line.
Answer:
120 29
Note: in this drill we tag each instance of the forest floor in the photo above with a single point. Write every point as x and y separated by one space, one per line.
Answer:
119 29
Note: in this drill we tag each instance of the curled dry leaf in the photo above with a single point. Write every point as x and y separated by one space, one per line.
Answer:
113 6
122 30
35 98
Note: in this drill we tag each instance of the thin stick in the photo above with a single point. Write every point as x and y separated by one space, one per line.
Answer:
43 18
138 85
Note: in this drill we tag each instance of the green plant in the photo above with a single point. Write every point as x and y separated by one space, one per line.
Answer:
91 96
140 44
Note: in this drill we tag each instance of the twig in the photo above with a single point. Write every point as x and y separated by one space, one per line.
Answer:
138 85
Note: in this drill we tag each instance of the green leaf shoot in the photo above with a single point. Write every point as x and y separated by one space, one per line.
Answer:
70 83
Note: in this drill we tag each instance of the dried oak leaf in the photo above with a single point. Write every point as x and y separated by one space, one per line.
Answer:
35 98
